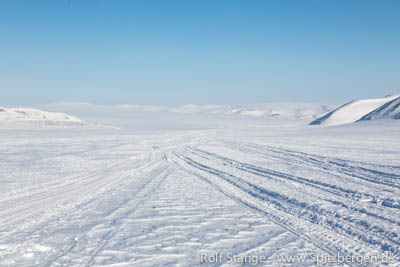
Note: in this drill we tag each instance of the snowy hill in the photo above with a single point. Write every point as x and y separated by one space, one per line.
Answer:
352 111
298 111
33 117
302 111
193 116
389 110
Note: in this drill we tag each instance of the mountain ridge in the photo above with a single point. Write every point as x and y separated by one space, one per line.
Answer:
389 110
353 111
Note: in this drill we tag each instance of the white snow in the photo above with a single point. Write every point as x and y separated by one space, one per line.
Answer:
353 111
390 109
227 185
35 117
193 116
295 111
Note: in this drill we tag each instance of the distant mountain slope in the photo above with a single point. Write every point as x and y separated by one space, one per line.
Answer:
136 116
35 117
352 111
389 110
298 111
284 109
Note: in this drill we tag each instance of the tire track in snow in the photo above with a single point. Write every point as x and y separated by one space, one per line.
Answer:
149 185
353 169
259 148
357 181
334 189
364 229
64 193
249 199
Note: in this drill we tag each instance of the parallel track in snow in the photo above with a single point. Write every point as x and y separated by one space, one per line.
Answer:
144 191
159 200
42 204
221 171
249 200
368 173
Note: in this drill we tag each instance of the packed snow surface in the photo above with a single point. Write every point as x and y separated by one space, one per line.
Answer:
353 111
176 197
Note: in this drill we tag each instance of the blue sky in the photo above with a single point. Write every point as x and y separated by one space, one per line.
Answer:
201 52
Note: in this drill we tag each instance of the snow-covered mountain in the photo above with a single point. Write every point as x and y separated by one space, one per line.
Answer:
390 110
353 111
267 110
36 117
299 111
140 116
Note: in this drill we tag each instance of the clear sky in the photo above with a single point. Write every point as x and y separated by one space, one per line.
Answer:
200 52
